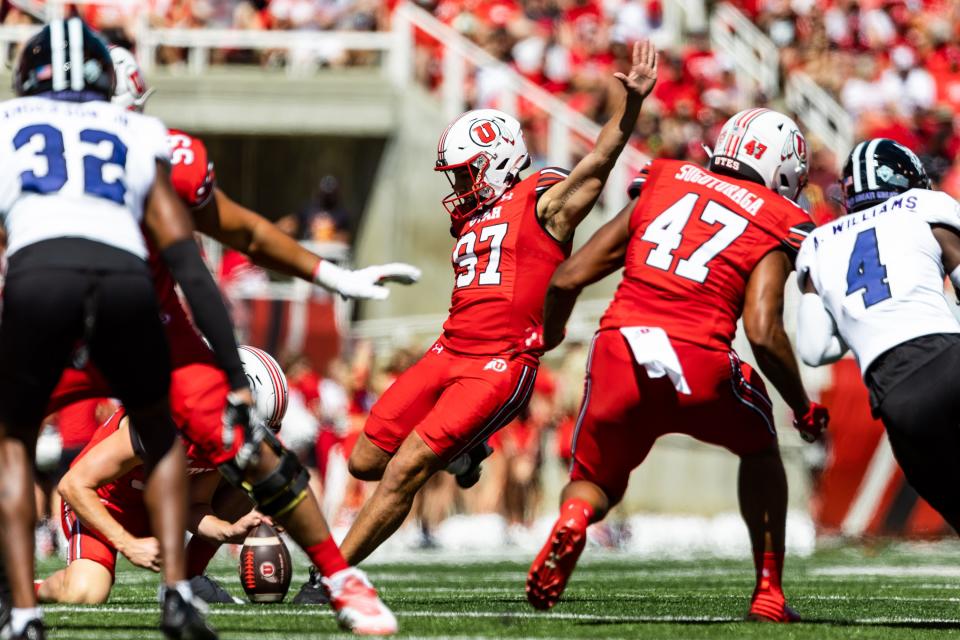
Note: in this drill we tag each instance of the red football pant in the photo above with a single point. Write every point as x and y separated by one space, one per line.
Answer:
624 411
84 542
454 402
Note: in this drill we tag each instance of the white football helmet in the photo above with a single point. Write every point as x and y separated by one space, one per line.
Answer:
481 152
765 146
131 91
268 385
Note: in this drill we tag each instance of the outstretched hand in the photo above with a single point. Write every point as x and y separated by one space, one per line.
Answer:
643 70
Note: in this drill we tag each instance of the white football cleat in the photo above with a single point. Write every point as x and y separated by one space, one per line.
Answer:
359 608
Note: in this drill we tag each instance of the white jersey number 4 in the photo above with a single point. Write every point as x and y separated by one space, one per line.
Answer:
865 272
666 231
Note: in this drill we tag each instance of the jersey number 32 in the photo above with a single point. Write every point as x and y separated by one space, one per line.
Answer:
106 150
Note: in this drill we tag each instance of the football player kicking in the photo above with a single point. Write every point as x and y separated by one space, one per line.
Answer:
101 517
698 248
872 282
511 233
253 460
80 176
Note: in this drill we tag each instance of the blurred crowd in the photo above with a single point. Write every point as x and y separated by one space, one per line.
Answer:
893 64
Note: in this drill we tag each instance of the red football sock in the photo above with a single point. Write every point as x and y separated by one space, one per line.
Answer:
326 557
769 568
199 554
579 510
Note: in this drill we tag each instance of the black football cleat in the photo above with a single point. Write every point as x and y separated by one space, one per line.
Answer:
471 475
182 620
33 631
312 591
211 591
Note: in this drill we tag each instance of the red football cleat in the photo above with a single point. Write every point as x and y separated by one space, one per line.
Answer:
357 605
769 605
551 570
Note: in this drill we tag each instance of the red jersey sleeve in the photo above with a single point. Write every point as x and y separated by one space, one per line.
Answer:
549 177
191 169
636 185
798 226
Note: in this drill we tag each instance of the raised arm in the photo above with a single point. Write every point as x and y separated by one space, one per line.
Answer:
109 459
250 233
568 202
600 256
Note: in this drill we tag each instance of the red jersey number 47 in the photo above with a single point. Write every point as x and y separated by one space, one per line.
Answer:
666 232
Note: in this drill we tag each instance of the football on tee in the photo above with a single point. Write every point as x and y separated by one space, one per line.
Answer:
265 569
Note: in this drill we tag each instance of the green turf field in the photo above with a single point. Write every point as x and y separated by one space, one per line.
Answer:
898 591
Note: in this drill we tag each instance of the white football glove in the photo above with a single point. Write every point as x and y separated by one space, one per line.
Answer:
366 283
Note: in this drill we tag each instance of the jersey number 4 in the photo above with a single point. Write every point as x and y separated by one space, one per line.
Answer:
666 231
865 271
465 256
108 150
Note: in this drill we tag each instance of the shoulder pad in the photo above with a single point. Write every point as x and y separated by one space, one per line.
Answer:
191 170
636 185
549 176
936 207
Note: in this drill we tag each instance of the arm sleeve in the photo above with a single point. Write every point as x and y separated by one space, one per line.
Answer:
817 339
207 306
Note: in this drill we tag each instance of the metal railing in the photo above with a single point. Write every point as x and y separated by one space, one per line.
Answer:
820 114
753 53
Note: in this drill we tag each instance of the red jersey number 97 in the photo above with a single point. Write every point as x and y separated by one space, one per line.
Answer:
471 247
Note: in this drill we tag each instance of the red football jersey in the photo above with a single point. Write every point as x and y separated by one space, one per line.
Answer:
695 238
127 490
192 176
502 264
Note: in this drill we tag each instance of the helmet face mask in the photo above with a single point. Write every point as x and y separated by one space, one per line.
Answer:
470 192
482 153
47 65
763 146
877 170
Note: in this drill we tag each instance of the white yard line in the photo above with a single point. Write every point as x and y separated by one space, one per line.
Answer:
929 571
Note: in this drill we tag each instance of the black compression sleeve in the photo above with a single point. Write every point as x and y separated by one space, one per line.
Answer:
207 306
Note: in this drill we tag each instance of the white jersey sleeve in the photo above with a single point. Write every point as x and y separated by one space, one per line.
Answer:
806 262
937 207
76 170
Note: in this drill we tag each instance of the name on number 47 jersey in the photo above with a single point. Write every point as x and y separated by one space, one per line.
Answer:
696 237
880 273
502 263
76 170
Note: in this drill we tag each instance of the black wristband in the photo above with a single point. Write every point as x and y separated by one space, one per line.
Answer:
209 312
